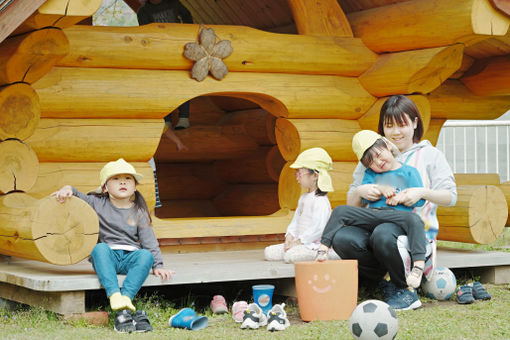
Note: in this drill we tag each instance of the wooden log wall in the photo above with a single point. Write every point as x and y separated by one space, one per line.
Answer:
101 93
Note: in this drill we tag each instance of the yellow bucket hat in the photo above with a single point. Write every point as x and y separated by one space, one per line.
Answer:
118 167
363 140
316 159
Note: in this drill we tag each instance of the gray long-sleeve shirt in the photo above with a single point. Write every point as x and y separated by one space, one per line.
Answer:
123 228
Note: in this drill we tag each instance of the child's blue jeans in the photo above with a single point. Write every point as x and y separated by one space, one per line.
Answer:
107 263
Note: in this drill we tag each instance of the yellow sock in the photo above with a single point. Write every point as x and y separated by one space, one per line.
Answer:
128 303
117 301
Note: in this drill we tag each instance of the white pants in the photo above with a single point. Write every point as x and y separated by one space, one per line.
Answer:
298 253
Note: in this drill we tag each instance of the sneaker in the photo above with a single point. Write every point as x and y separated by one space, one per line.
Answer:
142 323
182 123
414 278
479 291
253 317
277 318
387 288
218 305
238 309
123 322
464 295
404 299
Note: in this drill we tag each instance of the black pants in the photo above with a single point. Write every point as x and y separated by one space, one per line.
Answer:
370 236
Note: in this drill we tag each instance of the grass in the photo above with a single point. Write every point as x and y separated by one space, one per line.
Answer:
436 320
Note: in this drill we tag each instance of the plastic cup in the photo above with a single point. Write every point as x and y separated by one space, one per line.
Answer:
263 296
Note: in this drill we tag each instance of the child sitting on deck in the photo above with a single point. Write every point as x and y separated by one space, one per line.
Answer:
313 210
127 244
389 177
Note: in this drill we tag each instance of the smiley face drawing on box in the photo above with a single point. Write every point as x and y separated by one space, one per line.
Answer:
321 283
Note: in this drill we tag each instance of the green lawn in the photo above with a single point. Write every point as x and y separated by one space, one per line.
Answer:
436 320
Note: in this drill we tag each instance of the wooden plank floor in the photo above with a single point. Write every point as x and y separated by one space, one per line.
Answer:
200 267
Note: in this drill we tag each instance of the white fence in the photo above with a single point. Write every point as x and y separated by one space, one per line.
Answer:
477 146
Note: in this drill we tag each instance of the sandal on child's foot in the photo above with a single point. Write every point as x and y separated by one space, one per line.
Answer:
414 277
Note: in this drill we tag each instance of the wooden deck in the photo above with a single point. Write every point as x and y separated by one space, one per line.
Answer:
62 289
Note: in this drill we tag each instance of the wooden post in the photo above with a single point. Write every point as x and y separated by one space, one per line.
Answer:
248 200
188 181
433 130
68 91
370 120
19 111
418 24
320 18
453 100
160 46
263 167
334 135
96 140
180 208
489 77
18 166
419 71
258 124
207 143
30 56
46 230
85 177
59 13
479 216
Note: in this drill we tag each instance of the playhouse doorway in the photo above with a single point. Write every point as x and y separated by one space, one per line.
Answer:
230 164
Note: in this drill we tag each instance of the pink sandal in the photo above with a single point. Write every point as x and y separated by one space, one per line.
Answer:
238 309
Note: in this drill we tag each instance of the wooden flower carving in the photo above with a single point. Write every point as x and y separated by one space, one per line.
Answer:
208 55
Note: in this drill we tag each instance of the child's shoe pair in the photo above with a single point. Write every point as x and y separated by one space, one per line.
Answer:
467 294
218 305
188 318
127 322
276 319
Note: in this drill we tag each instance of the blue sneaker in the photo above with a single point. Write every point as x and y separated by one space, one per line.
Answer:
387 288
465 295
188 318
404 299
479 292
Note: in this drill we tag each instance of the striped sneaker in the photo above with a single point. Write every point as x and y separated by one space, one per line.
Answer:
253 317
277 318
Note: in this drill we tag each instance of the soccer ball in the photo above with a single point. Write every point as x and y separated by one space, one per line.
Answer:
441 285
373 319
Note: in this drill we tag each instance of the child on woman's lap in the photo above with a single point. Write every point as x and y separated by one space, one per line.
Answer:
387 178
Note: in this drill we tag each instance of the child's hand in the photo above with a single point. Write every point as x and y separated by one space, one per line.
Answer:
369 192
396 199
164 273
386 190
181 147
63 193
410 196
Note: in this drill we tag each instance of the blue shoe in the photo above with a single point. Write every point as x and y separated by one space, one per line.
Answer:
387 288
188 318
404 299
479 292
465 295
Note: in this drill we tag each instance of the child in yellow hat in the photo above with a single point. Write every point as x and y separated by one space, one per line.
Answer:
389 177
313 210
127 244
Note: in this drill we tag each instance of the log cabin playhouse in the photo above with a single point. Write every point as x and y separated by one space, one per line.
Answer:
302 74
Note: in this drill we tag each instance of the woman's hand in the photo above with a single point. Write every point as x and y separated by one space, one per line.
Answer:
165 274
407 197
322 253
63 193
369 192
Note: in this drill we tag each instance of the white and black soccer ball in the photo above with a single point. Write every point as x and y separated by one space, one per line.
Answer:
373 319
441 285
